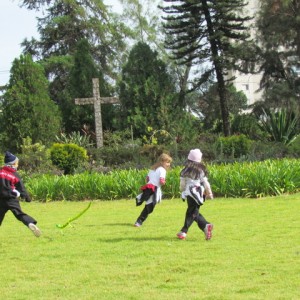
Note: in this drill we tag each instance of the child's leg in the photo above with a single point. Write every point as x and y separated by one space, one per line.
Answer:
3 211
191 213
148 209
201 221
205 226
15 207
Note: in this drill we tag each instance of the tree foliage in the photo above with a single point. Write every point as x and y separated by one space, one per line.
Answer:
27 110
143 20
66 22
279 35
146 91
210 33
208 105
77 117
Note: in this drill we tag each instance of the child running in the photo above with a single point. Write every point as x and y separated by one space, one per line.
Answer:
195 188
11 188
151 192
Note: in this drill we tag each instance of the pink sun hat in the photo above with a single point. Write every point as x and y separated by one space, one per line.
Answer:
195 155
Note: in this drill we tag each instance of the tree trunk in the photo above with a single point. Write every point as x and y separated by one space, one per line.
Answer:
183 85
218 69
223 102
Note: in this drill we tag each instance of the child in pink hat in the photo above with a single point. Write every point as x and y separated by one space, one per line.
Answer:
195 188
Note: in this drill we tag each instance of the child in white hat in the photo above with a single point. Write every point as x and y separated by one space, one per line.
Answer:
11 188
195 188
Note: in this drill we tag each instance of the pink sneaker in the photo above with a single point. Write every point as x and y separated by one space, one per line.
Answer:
181 235
208 231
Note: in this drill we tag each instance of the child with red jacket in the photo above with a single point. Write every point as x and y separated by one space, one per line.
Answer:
11 188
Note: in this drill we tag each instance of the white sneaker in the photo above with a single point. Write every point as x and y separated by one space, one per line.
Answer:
35 230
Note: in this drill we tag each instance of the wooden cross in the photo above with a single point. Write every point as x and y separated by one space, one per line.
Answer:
97 101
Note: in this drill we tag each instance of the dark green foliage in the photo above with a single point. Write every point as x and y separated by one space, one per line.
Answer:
117 157
233 146
152 152
209 106
146 92
246 124
278 24
294 148
27 110
263 150
67 157
80 85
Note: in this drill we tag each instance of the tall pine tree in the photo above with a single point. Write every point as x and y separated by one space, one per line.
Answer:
80 86
211 34
146 91
27 110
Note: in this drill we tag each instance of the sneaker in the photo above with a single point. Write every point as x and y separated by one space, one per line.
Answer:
137 224
208 231
36 231
181 235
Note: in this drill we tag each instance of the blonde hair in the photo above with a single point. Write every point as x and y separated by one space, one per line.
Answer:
162 159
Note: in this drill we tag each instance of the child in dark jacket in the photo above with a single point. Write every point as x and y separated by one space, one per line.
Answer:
11 188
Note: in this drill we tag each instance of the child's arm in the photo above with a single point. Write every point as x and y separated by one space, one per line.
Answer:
182 184
162 176
208 192
20 187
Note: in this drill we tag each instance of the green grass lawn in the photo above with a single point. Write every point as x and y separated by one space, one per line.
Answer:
254 252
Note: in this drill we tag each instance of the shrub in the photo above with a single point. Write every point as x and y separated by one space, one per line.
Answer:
246 124
233 146
74 138
153 151
294 148
67 157
267 150
116 156
34 158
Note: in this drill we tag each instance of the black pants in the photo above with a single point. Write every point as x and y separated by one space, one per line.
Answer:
192 214
14 206
148 209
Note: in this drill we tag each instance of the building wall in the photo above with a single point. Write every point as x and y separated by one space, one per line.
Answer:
249 83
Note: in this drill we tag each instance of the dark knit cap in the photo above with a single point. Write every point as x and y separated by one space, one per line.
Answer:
10 158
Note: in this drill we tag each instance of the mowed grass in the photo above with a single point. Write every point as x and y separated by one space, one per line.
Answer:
254 252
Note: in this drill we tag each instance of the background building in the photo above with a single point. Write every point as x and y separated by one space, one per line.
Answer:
249 83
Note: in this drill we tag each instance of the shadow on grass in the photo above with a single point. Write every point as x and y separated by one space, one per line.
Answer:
136 239
118 224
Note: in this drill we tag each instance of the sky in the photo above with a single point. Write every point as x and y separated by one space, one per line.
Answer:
17 24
